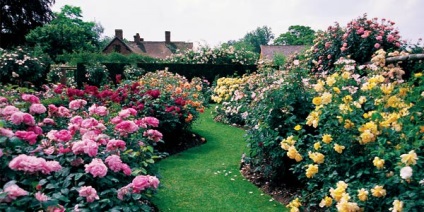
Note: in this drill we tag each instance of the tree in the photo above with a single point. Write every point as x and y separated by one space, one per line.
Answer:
67 33
260 36
297 35
18 17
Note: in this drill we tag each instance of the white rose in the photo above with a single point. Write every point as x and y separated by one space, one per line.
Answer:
406 172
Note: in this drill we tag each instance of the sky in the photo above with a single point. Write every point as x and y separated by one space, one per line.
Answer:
212 22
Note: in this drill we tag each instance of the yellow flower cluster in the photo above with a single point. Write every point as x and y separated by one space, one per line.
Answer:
379 163
369 132
316 157
341 197
294 205
311 170
226 86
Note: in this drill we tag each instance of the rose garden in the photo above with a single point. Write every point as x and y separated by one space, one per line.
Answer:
338 127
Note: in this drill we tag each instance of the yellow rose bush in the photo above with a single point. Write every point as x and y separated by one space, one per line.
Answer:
367 138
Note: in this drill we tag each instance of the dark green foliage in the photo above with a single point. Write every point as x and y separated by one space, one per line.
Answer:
67 33
18 17
297 35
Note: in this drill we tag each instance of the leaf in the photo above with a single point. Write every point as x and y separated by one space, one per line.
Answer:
78 176
51 186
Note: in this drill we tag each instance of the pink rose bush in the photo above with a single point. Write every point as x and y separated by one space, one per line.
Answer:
75 151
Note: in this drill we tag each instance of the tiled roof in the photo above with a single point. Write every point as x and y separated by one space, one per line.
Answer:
268 52
158 49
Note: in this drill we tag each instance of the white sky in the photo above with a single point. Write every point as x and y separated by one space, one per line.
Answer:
212 22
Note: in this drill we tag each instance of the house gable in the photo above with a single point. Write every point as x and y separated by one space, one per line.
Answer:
117 45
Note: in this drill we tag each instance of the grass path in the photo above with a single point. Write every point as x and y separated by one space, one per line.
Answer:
207 178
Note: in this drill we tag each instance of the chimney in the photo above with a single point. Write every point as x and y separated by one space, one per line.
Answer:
137 38
167 37
119 34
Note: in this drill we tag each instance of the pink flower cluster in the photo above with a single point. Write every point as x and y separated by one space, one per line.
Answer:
32 164
127 113
89 193
97 168
28 136
13 191
41 197
98 110
126 127
61 135
148 121
115 144
19 117
115 164
30 98
139 183
77 104
37 109
6 132
59 111
86 146
153 135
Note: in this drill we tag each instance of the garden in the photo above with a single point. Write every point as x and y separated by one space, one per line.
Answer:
338 127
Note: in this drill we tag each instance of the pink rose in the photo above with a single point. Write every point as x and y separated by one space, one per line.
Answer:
13 191
114 162
390 38
153 135
41 197
36 129
88 147
115 144
9 110
56 208
97 168
48 121
89 123
123 191
151 121
88 192
52 135
32 164
3 99
37 109
30 98
28 136
116 120
77 104
63 112
6 132
377 45
63 135
127 112
379 38
140 183
76 120
126 127
98 110
17 118
154 181
52 109
126 169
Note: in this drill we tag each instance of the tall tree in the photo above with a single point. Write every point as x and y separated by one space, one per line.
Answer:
67 33
261 36
297 35
18 17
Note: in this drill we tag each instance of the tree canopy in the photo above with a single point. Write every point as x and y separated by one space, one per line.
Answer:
253 40
67 33
297 35
18 17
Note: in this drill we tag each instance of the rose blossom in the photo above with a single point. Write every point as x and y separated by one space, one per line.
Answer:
97 168
98 110
76 120
88 192
89 123
115 144
30 98
63 112
36 129
114 162
32 164
123 191
3 99
37 108
9 110
49 121
52 109
126 169
13 191
86 146
63 135
140 183
127 112
406 172
77 104
6 132
151 121
41 197
29 136
153 135
56 208
126 127
116 120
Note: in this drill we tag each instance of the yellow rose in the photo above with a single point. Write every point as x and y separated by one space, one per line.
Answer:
317 157
336 90
311 170
317 100
410 158
326 138
326 202
378 191
339 148
317 145
379 163
362 194
297 127
397 206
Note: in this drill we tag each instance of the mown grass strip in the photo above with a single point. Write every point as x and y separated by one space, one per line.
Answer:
207 178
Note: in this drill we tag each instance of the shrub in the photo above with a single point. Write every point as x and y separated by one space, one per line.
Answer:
357 41
77 157
369 135
23 67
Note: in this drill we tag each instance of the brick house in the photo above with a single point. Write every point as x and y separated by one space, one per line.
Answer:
269 51
155 49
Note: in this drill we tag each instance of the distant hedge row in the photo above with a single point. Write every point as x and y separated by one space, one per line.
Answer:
206 71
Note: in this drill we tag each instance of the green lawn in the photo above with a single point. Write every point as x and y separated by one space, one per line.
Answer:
207 178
